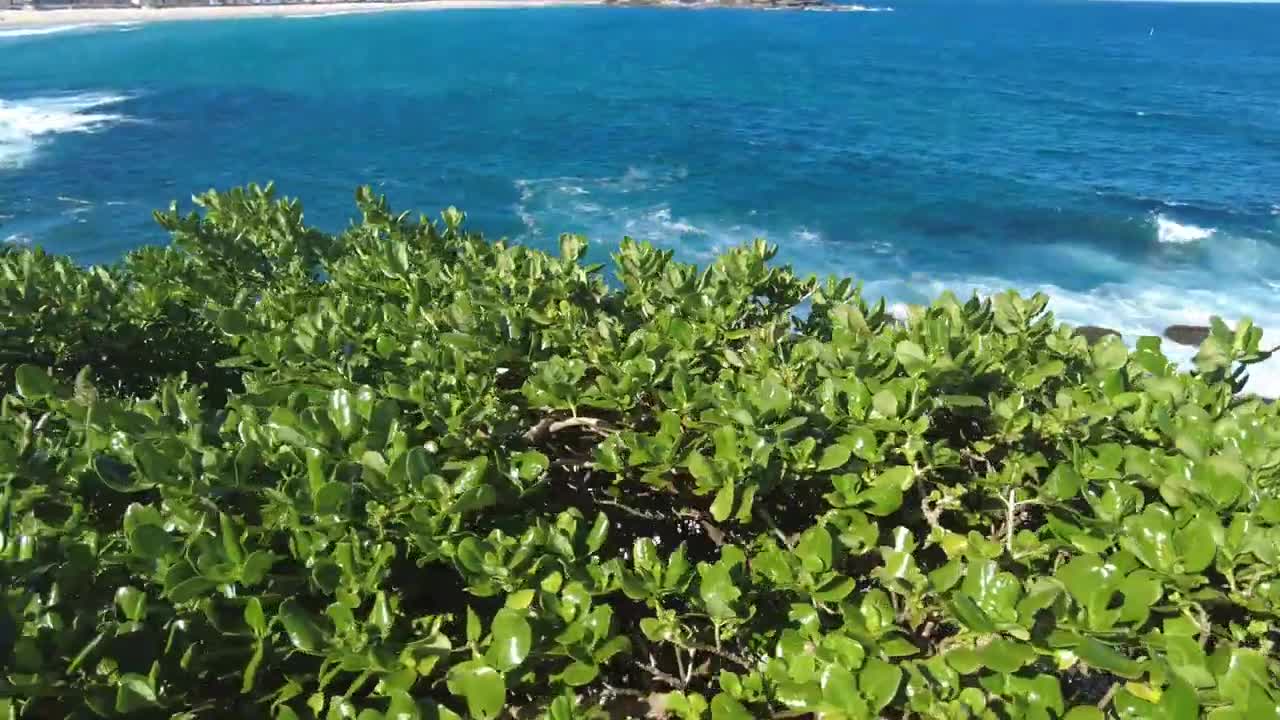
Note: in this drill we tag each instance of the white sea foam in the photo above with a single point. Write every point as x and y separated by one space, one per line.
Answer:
661 218
1145 299
23 32
804 234
1174 232
632 204
1134 310
25 124
37 31
332 13
841 8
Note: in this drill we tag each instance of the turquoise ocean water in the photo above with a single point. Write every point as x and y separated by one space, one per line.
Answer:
1123 157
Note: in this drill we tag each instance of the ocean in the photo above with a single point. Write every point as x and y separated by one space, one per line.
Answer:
1122 157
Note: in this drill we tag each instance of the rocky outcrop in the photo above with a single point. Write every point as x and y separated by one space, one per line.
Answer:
1192 335
1094 334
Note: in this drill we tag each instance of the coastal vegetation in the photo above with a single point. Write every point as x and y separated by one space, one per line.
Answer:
402 471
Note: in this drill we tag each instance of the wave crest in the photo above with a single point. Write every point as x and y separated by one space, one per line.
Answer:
24 124
1170 231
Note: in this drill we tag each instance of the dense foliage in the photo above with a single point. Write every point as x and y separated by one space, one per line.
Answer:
403 472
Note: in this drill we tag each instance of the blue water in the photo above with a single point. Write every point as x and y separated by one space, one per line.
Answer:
1123 157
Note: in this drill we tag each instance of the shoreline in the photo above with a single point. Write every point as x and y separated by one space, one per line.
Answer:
59 19
87 17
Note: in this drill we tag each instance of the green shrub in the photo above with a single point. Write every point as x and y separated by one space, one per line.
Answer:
404 472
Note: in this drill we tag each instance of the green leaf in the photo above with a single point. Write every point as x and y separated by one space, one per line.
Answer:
862 443
483 688
772 397
972 616
150 541
718 590
701 470
134 693
230 535
840 690
1005 656
250 671
900 477
834 456
254 617
879 682
599 532
256 567
531 465
190 589
1110 354
885 403
815 549
474 628
303 631
724 707
1179 701
343 413
572 247
836 589
332 498
512 639
132 602
1188 660
1064 482
578 674
33 383
912 357
1197 542
380 615
722 506
1103 657
233 322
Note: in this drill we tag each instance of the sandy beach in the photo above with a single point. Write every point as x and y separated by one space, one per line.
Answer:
101 16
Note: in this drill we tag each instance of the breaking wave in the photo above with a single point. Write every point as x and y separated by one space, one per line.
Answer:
25 124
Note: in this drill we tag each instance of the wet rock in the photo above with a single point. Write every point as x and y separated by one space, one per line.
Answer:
1094 334
1192 335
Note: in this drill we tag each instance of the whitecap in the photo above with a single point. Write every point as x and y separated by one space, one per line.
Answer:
1173 232
41 31
660 219
1144 307
1141 299
25 124
635 178
850 8
17 239
333 13
804 234
38 31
